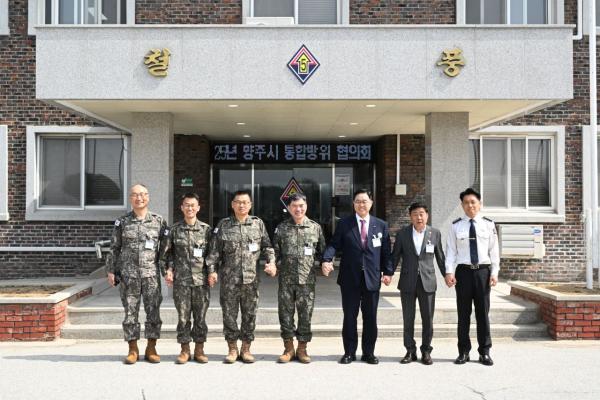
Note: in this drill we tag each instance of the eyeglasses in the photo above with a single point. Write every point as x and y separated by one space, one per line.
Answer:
361 202
136 195
241 203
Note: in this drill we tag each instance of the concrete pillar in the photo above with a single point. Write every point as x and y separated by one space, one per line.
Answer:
446 173
152 159
446 165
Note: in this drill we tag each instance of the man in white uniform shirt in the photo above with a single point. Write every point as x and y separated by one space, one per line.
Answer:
472 265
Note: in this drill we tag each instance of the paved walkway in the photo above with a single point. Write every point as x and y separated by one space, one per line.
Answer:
524 370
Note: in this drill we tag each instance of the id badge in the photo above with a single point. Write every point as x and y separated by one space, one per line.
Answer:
429 248
197 252
149 244
253 247
308 251
376 242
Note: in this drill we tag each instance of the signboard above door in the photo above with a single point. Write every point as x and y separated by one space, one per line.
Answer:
292 152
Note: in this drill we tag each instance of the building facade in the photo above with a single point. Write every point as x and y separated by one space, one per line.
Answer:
414 99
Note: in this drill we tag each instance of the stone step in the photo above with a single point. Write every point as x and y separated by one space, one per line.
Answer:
445 313
102 332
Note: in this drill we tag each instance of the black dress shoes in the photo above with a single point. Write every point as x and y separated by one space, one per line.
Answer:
369 359
462 358
426 358
409 357
347 359
485 359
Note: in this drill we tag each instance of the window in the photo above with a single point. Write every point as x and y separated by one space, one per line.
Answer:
303 11
507 11
78 171
517 170
4 30
88 12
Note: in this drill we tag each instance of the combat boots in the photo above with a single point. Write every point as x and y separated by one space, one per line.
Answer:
233 354
134 353
247 357
301 353
288 352
199 355
150 354
184 356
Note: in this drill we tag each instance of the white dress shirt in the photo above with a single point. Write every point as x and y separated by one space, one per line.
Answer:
457 244
418 239
366 223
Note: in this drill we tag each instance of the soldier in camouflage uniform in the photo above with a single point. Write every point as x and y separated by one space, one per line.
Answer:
236 245
135 243
298 243
186 245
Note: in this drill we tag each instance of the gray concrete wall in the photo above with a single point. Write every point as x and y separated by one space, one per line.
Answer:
357 62
152 159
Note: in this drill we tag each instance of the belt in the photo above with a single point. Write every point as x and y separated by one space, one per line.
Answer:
474 266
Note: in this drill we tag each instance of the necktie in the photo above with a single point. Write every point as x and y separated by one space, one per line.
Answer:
363 233
473 244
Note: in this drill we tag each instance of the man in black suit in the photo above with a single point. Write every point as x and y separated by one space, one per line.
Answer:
417 244
364 242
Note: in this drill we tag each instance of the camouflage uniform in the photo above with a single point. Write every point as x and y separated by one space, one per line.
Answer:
297 247
134 251
184 252
236 247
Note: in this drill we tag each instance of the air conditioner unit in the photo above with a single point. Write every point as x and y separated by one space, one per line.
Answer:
268 20
521 241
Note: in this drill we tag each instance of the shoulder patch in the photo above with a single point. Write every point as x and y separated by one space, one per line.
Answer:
117 222
456 220
216 230
167 231
276 230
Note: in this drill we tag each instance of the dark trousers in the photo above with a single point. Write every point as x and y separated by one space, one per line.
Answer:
426 307
353 299
473 287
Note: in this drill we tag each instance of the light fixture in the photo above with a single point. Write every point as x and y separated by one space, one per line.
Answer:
232 105
370 105
240 123
353 123
341 136
247 136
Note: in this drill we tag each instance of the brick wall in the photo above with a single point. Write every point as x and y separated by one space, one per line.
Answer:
392 208
192 160
565 243
188 12
566 319
18 109
402 11
35 321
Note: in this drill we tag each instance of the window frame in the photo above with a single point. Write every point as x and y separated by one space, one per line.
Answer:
36 17
339 11
555 12
556 211
4 27
4 216
36 211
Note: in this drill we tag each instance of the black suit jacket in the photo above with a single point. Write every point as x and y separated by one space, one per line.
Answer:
418 263
355 258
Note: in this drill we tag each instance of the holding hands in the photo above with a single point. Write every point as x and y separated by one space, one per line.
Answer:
212 279
450 280
169 277
271 269
326 267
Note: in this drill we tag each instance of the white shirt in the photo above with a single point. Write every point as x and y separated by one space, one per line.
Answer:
457 244
418 239
366 223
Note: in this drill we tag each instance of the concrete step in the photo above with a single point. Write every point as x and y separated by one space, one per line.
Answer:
445 313
100 331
